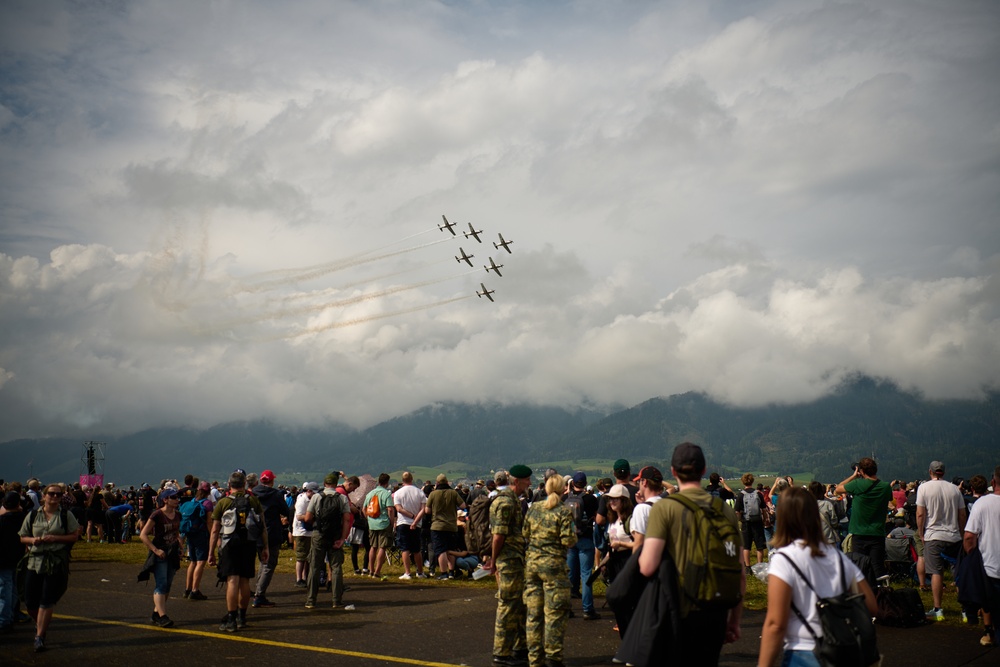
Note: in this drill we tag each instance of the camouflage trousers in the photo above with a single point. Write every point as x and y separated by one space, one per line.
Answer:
546 598
508 631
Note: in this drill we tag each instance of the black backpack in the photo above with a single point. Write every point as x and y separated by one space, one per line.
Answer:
574 501
848 637
329 519
901 608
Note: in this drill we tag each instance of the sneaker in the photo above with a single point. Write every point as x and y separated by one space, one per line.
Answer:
197 595
164 622
187 593
445 577
987 639
357 571
310 605
935 614
261 601
406 576
591 616
154 618
364 570
39 644
421 575
228 624
301 583
241 621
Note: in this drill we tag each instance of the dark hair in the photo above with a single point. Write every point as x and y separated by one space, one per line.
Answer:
714 478
383 479
798 519
817 489
868 466
978 484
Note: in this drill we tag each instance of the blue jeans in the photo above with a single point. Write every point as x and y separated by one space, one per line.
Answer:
799 659
580 559
7 598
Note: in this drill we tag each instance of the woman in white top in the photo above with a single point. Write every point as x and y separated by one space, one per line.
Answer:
799 537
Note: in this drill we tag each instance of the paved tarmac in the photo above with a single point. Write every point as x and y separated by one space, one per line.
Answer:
104 620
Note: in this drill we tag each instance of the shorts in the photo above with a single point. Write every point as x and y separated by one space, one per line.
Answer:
303 543
408 539
163 575
443 541
43 591
238 560
197 546
934 563
381 539
753 535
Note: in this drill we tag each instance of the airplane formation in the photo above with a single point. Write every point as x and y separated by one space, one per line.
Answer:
467 257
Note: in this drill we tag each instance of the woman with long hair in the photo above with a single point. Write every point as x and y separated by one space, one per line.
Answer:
619 530
549 530
96 510
49 533
798 543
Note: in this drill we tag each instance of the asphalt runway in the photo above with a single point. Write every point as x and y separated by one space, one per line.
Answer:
104 620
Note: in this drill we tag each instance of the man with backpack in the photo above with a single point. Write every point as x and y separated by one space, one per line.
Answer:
329 513
580 556
750 507
381 514
194 529
276 517
236 525
699 533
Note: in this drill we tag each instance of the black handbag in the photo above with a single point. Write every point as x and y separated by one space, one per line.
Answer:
848 638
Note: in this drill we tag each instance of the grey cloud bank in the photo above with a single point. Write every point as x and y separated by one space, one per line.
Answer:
220 212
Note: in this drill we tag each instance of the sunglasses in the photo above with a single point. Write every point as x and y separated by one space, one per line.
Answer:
54 494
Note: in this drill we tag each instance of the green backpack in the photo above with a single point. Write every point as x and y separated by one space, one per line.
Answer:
711 569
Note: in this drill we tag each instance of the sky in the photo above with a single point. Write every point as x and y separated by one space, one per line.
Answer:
221 211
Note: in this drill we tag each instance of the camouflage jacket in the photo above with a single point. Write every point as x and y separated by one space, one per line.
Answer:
506 519
548 533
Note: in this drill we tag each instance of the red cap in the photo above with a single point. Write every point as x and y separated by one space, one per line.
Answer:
267 476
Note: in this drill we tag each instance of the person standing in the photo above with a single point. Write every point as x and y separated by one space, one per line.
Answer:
750 507
669 533
276 515
302 533
197 541
329 513
507 561
941 519
236 522
871 498
411 504
549 530
381 514
983 532
580 556
443 504
11 552
50 533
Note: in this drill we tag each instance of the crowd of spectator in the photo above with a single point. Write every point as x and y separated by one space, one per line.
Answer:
582 529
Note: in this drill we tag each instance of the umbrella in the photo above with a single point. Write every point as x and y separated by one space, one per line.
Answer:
367 483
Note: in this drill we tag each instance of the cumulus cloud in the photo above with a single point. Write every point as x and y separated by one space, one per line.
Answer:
216 213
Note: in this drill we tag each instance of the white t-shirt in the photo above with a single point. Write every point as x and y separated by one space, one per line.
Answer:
943 501
299 528
411 499
824 576
640 516
984 521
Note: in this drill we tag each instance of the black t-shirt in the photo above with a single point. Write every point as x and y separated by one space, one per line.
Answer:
590 503
720 491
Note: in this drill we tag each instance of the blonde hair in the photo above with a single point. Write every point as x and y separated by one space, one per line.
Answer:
554 487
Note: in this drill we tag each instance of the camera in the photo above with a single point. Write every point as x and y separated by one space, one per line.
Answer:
854 466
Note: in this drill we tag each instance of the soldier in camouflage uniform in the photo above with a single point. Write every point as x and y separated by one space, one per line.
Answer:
549 530
507 560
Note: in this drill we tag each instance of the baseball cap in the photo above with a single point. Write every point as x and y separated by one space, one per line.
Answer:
267 476
688 456
650 473
311 486
618 491
580 478
168 493
441 479
622 465
331 478
937 466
